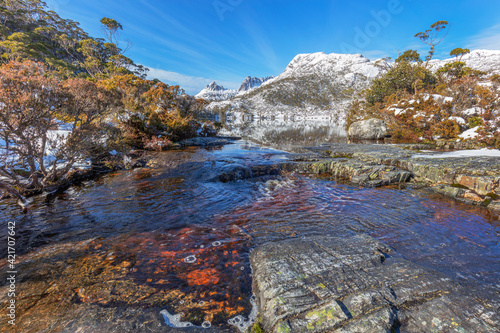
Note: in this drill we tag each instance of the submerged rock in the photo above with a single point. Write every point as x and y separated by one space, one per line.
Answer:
209 141
235 172
329 284
232 172
371 129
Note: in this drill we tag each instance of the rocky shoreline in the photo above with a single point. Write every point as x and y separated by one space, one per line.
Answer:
327 284
470 179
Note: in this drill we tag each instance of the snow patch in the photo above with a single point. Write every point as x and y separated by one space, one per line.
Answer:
397 111
463 153
437 97
459 120
470 133
472 111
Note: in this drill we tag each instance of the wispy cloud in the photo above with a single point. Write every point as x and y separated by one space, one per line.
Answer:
375 54
177 47
196 39
191 84
260 47
487 39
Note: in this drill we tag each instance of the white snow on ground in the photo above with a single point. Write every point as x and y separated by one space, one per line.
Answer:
483 60
422 115
459 120
463 153
471 111
55 140
470 133
5 157
397 111
435 97
485 84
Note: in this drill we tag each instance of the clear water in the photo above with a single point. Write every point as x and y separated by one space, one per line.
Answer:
185 236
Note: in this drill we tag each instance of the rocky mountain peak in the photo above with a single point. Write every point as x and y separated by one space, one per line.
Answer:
213 86
253 82
214 92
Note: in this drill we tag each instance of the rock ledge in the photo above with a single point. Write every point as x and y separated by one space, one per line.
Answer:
358 284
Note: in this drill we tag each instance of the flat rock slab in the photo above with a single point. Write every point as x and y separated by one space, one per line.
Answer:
358 284
480 175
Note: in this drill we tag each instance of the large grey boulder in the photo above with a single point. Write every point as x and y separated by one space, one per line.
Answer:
358 284
371 129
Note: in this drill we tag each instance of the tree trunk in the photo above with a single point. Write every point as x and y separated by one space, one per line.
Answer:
21 201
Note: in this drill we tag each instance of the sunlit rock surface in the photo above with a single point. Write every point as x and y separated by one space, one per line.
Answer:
358 284
371 129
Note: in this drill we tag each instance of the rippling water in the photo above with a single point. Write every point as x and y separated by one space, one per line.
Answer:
176 238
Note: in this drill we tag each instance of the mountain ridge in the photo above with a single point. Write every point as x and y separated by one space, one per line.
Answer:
214 92
325 84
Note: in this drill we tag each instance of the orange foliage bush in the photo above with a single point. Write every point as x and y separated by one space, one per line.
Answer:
154 110
447 129
157 143
32 105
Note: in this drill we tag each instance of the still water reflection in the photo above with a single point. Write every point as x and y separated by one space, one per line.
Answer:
286 134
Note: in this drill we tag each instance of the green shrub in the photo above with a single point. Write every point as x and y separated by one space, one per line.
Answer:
475 121
403 77
455 70
495 78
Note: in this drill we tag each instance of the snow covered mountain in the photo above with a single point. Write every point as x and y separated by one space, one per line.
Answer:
253 82
312 84
320 84
483 60
214 92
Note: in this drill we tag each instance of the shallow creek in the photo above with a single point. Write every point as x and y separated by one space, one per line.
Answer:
170 244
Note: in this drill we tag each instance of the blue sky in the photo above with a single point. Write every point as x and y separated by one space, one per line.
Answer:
192 42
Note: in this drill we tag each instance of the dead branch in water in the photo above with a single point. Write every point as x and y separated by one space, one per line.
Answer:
21 200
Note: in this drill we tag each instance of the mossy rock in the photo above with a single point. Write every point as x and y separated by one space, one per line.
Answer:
493 196
257 327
